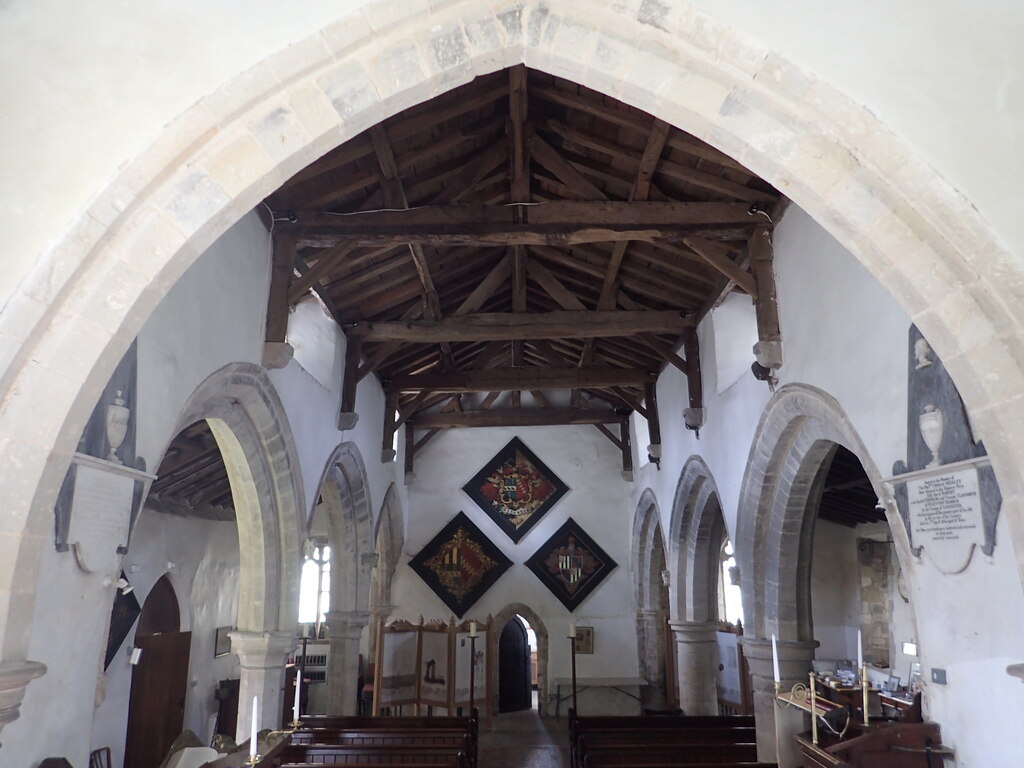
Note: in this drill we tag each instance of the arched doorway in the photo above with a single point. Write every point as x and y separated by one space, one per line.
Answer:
156 706
529 619
514 667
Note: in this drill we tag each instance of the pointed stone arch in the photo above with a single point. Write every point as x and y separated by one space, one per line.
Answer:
389 541
650 566
795 440
249 423
696 531
921 239
540 629
346 500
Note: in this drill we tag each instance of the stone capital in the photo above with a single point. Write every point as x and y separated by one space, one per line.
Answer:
262 650
14 679
795 657
346 625
689 632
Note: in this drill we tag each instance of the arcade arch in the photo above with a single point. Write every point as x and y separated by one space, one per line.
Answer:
651 585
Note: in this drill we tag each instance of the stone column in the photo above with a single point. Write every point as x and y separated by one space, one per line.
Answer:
14 679
344 629
651 640
261 656
776 745
697 653
378 613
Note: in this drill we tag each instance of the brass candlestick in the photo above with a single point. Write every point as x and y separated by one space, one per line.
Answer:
814 711
253 759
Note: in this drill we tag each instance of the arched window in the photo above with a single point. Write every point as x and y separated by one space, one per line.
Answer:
730 598
315 588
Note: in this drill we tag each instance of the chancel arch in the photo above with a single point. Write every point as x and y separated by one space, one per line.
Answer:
186 191
696 534
651 584
346 502
800 432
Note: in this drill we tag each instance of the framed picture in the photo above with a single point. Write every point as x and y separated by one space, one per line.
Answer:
515 489
570 564
460 564
222 643
584 639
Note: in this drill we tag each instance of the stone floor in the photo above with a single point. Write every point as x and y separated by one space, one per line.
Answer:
524 740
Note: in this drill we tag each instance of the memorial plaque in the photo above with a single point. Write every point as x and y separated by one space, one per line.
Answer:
100 515
946 517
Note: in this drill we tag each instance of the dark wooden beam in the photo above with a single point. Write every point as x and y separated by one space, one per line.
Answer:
521 379
282 268
717 256
653 422
410 452
693 416
496 326
516 417
627 450
387 452
347 417
551 223
768 350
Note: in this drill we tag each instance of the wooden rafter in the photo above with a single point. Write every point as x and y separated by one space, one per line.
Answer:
521 379
516 417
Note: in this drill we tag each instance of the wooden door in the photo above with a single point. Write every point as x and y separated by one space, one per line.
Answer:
513 668
156 707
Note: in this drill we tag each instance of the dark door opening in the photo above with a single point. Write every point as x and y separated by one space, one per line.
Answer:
514 668
156 705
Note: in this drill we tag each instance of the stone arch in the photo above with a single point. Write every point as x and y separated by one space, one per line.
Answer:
248 421
795 439
652 604
921 239
696 529
389 538
346 499
540 629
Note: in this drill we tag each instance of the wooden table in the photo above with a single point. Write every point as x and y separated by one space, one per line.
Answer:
619 684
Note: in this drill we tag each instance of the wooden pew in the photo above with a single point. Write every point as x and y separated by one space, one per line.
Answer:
375 754
685 753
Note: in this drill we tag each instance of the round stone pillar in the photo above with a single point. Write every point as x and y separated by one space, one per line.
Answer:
651 641
344 630
776 744
261 657
697 654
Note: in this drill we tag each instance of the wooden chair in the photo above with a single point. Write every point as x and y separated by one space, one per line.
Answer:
100 758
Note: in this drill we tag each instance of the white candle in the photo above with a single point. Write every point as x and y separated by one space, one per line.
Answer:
572 629
255 727
298 686
860 652
775 660
472 629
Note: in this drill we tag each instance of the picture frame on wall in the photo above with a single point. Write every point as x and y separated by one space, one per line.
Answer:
584 640
222 642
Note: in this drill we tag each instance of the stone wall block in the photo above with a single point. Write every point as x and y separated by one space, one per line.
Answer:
352 92
300 59
49 276
446 53
238 165
189 199
382 14
397 69
783 77
176 143
278 131
510 16
484 42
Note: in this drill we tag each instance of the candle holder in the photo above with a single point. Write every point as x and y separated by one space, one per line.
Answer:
572 648
253 759
472 670
864 688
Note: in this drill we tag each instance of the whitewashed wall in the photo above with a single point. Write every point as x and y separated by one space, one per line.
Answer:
844 334
212 317
597 500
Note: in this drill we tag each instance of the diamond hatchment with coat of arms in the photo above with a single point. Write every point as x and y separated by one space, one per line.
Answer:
515 489
571 564
460 564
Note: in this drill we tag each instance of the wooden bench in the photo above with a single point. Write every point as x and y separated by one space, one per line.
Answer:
376 754
692 739
683 753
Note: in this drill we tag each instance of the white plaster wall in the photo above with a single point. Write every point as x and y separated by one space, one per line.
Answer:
205 579
597 500
844 334
835 590
213 316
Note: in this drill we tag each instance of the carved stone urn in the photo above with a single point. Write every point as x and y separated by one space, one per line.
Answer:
931 423
117 425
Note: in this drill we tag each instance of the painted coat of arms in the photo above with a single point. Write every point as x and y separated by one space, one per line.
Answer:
460 564
570 564
515 489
